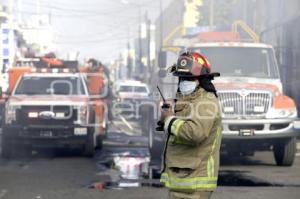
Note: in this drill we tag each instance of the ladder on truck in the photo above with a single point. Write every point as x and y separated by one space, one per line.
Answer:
241 25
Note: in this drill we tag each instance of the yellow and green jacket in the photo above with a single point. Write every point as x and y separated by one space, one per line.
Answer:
191 156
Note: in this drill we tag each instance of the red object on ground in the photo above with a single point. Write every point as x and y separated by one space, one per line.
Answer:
98 186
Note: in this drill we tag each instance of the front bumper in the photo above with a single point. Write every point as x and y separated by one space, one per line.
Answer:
259 128
46 136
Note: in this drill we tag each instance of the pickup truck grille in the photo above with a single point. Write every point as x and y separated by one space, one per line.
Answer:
244 103
24 119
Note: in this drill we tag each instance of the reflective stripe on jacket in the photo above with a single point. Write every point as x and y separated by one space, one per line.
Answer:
191 159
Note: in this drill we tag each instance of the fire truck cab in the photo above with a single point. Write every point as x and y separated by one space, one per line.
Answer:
256 115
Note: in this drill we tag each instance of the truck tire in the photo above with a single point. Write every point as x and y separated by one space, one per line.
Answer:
26 150
6 147
248 153
156 143
157 148
143 120
150 137
89 148
148 126
284 152
99 142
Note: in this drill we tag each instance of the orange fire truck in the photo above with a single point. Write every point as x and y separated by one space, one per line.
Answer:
53 103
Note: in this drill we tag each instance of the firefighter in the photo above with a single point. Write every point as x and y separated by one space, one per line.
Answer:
95 66
191 156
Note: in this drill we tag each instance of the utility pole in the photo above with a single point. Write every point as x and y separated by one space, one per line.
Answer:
140 40
148 38
2 18
19 11
11 32
38 8
161 24
212 14
138 5
129 62
245 11
129 59
50 13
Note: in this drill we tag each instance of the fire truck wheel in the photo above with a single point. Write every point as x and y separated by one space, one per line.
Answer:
248 153
284 152
89 148
26 150
6 148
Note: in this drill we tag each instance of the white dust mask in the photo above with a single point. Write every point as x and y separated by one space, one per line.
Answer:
187 87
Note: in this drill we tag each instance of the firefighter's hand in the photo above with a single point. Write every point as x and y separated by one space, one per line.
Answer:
165 114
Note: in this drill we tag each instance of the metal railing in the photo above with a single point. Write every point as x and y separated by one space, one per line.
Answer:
239 23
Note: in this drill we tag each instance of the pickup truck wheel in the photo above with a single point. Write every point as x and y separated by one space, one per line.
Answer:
89 148
106 130
284 152
99 142
6 148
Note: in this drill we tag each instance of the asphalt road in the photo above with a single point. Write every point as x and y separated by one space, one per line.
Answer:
57 174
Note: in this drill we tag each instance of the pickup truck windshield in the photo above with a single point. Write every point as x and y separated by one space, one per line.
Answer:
140 89
136 89
50 86
241 61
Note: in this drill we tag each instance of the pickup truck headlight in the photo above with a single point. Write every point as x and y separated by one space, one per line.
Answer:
282 113
82 113
10 113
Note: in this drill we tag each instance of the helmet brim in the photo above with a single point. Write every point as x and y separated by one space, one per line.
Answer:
181 74
214 74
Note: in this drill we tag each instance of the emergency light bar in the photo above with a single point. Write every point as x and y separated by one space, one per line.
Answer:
53 70
40 64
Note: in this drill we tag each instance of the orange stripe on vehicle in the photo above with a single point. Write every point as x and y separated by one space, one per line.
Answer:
14 74
281 102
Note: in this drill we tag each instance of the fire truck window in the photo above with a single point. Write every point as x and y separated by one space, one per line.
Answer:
239 61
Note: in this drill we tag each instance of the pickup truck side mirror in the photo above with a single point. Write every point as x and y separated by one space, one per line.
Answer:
8 92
